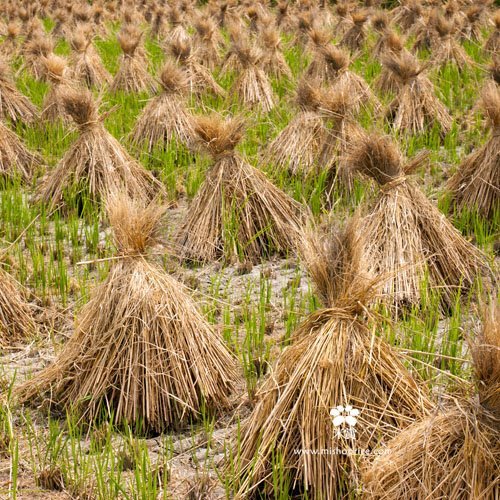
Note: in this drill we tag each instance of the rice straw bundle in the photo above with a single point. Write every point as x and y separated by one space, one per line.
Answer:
452 12
60 18
275 63
177 33
493 42
407 238
446 48
494 70
408 14
85 62
387 82
335 359
208 43
200 79
15 159
81 14
298 146
159 27
16 317
132 75
284 20
381 24
454 453
476 184
425 32
237 212
95 163
339 108
231 61
10 46
14 106
165 117
343 14
355 37
415 107
335 72
252 85
34 52
53 107
140 349
473 22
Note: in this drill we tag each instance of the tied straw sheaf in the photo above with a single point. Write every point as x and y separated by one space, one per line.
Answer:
334 355
141 350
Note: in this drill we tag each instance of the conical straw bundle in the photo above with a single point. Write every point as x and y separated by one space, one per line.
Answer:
407 238
140 349
165 117
476 184
237 213
96 163
454 453
14 105
335 359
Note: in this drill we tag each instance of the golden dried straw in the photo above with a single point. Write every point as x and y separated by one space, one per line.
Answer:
476 183
407 238
165 117
16 317
85 62
15 159
200 79
141 349
95 163
335 358
454 453
299 145
252 85
14 105
132 75
416 107
237 212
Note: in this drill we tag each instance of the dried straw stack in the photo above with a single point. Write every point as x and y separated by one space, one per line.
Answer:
132 75
165 117
38 48
335 359
454 453
10 46
85 62
252 85
387 81
445 47
237 212
14 106
275 63
355 36
208 43
334 71
298 146
476 183
16 317
473 22
339 108
141 349
15 159
200 79
53 109
407 238
415 108
177 32
493 42
96 163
